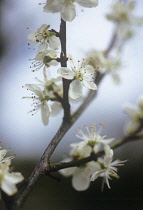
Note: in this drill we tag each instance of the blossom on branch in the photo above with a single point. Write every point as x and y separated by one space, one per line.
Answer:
80 175
67 7
108 168
46 96
91 143
135 114
104 64
91 138
47 36
81 75
8 180
44 57
122 15
3 152
39 102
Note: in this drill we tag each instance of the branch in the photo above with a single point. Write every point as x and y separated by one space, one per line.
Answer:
44 164
63 60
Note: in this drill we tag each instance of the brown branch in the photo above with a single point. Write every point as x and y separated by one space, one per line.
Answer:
44 164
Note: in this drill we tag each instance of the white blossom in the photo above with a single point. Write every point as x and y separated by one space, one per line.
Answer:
92 138
67 7
82 75
80 175
108 168
43 34
9 180
135 114
3 153
104 64
44 57
51 87
122 15
40 102
46 96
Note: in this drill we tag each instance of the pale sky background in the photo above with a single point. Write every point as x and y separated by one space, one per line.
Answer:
26 135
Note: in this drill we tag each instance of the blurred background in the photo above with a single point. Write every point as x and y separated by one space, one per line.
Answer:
28 137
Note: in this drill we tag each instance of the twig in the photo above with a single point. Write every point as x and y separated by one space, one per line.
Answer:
63 60
44 164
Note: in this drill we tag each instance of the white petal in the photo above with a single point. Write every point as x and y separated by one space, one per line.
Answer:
56 108
130 127
107 141
33 38
93 167
68 13
45 111
35 89
80 181
2 153
88 3
108 150
53 63
53 6
54 42
96 174
14 177
75 89
67 171
89 70
66 73
97 148
41 51
89 84
130 110
8 187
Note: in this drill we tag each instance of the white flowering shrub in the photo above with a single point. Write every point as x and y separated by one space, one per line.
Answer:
93 156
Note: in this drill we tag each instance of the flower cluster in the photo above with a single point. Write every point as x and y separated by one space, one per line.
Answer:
122 15
8 179
91 143
104 64
45 57
50 90
135 114
67 7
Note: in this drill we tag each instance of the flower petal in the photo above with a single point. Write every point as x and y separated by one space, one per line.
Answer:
8 187
67 171
68 13
41 51
89 84
96 174
88 3
56 108
66 73
89 70
75 89
80 180
2 153
54 42
53 6
14 177
45 111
